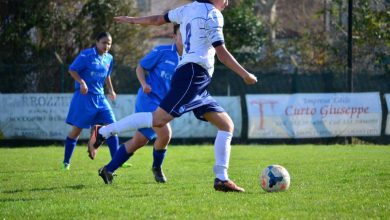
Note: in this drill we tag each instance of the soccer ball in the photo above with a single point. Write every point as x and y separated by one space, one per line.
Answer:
275 178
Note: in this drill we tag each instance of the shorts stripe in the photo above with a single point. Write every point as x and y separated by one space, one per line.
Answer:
189 85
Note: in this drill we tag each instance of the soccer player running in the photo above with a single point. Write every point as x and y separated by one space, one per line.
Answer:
91 70
160 63
201 24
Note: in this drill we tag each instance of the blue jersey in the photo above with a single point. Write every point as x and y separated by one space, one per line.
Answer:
93 69
161 63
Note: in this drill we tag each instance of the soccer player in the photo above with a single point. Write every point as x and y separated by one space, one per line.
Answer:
201 24
160 64
91 71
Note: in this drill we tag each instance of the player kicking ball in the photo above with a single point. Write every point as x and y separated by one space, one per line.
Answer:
201 24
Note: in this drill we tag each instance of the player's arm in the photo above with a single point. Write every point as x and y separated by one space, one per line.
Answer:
147 20
228 60
110 88
83 85
141 73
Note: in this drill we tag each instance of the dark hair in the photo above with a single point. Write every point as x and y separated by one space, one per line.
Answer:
103 35
175 28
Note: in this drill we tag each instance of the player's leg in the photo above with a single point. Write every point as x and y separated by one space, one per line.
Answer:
123 154
222 148
137 121
70 145
164 135
126 150
80 116
105 115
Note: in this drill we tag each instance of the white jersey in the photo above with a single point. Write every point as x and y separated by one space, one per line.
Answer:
201 29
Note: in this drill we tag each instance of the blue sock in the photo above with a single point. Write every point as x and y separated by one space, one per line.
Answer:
120 157
158 157
113 143
70 145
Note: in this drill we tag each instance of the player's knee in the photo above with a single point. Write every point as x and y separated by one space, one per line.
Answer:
158 123
161 118
229 127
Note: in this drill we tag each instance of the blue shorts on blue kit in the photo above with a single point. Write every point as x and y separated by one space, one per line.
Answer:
90 109
188 93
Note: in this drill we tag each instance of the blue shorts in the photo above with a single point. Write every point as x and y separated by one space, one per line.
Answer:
188 93
145 103
88 110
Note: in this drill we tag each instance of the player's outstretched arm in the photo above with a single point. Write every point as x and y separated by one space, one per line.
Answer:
148 20
228 60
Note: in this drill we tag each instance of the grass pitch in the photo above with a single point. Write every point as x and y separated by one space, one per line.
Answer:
327 182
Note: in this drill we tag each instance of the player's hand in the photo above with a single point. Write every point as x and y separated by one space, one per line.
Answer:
250 79
112 95
83 88
124 19
147 88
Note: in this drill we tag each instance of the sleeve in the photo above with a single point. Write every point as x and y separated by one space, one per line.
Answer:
175 15
149 61
80 63
111 66
214 28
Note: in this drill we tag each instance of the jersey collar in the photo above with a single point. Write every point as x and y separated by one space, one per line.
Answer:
97 53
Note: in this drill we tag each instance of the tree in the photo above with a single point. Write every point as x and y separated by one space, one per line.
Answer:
244 32
267 10
42 33
371 36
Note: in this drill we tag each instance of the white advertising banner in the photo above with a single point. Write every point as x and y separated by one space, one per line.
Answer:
314 115
387 97
42 116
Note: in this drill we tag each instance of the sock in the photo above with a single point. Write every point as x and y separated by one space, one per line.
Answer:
222 154
158 157
130 123
120 157
113 144
70 145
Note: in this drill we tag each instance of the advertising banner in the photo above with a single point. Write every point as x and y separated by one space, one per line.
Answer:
42 116
314 115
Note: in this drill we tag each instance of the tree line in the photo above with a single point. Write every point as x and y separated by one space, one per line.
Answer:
38 39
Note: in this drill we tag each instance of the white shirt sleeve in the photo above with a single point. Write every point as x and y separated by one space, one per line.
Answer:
214 28
176 15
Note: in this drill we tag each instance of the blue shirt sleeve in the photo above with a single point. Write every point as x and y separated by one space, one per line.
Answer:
149 61
79 64
111 67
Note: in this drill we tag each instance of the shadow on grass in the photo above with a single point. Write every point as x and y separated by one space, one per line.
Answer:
74 187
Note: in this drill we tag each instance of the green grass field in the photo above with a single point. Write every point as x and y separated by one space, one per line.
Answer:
327 182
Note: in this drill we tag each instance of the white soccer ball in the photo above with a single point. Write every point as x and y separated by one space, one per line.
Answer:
275 178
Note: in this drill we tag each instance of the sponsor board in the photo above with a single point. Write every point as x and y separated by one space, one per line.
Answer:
43 115
314 115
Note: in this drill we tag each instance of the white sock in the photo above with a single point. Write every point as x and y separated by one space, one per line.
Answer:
129 123
222 154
